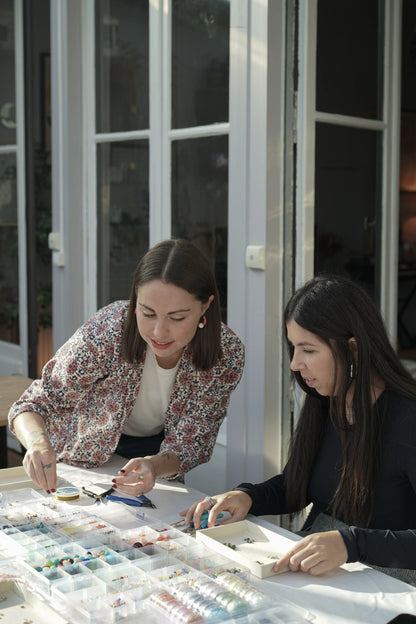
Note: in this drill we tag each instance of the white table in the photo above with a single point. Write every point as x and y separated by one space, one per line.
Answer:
355 594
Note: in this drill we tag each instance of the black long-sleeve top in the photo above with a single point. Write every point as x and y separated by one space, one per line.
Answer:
390 539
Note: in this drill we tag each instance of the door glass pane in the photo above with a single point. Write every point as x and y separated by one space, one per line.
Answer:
200 200
122 215
9 270
349 77
9 253
407 243
200 62
122 65
347 202
7 79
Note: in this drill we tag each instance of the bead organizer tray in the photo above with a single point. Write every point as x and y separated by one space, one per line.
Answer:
87 571
18 605
247 543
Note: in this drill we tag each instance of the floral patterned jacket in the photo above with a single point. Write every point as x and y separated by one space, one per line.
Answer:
87 392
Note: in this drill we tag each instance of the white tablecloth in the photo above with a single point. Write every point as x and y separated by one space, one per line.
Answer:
355 594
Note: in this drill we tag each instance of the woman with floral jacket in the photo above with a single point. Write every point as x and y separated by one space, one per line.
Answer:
149 379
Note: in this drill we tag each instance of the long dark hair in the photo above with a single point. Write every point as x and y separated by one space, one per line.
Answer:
336 309
181 263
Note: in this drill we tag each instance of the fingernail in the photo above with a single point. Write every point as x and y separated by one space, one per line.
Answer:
114 486
122 470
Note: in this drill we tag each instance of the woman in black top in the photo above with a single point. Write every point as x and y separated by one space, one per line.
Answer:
353 453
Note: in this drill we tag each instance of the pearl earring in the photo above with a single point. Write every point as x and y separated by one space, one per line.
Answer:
202 322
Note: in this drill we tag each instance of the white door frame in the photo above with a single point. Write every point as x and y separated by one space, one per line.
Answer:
70 242
256 208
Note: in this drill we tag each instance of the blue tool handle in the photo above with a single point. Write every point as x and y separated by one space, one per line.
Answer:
126 501
144 499
204 519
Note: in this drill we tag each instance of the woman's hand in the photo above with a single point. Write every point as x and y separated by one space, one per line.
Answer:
40 463
235 502
40 459
316 554
136 477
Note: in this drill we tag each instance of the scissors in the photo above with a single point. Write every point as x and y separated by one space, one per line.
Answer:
139 501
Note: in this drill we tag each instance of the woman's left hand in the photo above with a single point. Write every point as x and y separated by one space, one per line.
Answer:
316 554
136 477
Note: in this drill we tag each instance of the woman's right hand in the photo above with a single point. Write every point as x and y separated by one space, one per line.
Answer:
237 504
40 459
40 463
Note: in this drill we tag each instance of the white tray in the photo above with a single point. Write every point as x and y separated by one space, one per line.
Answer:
259 556
19 604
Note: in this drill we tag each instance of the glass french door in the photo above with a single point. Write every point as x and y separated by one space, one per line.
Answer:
349 145
348 153
406 316
160 133
13 315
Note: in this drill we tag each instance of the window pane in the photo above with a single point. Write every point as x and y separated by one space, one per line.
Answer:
200 61
123 215
200 200
349 58
347 202
9 269
7 68
122 65
407 247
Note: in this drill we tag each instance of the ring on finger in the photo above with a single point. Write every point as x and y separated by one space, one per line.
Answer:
210 500
46 466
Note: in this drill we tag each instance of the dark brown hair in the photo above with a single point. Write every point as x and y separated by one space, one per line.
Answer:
336 309
181 263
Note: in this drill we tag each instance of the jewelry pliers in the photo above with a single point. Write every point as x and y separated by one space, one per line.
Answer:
139 501
99 498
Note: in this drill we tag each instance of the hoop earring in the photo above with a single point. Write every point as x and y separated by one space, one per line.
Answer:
202 322
135 310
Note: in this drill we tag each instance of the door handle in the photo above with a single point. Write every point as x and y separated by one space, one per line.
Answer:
369 225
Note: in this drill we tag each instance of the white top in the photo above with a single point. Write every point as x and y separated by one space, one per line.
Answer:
148 415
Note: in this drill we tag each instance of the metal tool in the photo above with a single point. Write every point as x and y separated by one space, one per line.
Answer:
100 497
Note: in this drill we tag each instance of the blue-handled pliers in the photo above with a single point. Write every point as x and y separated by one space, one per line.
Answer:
204 519
139 501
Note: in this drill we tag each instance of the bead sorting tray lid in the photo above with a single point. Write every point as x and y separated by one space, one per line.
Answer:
251 545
